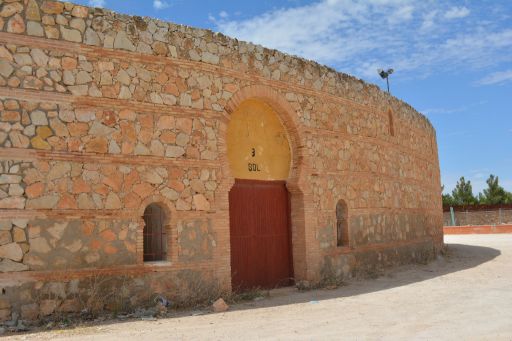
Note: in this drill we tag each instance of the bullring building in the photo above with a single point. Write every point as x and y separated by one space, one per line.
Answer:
169 156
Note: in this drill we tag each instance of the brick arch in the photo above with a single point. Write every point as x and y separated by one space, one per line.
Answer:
169 211
162 201
287 115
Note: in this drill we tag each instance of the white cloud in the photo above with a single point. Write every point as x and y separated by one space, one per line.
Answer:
428 21
311 30
457 12
359 36
497 78
480 174
160 4
223 14
404 13
97 3
433 111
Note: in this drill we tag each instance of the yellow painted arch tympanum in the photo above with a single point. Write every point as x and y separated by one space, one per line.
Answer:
257 142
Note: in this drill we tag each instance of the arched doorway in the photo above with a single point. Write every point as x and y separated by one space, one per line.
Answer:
154 234
259 156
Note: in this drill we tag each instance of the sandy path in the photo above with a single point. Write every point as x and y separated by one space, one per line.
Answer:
467 295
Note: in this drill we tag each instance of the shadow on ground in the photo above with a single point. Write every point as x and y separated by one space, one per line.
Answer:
458 257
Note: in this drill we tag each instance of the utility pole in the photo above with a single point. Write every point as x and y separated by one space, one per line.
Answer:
385 75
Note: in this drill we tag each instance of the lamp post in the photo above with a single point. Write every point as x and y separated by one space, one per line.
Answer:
385 75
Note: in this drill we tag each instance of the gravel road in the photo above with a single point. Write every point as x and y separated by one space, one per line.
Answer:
466 295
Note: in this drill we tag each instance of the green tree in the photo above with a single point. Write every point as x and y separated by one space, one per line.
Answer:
463 193
494 194
509 198
447 198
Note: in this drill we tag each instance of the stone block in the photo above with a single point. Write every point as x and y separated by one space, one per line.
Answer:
8 265
57 229
15 190
38 118
32 11
18 139
18 235
97 145
152 177
16 24
174 151
35 190
35 29
10 9
170 194
6 70
48 307
113 202
44 132
70 306
201 203
123 42
21 223
91 38
44 202
210 58
11 251
80 11
71 34
4 303
13 202
83 77
39 245
52 7
51 32
5 237
30 312
79 90
5 315
5 225
10 179
69 63
85 202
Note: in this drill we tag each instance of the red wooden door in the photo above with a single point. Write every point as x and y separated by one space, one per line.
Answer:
260 234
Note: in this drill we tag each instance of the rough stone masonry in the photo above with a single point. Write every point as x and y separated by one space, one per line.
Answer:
103 114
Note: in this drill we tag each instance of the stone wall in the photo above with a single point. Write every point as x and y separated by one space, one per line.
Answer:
103 114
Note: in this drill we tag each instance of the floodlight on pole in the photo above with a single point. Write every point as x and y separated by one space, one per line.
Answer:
385 75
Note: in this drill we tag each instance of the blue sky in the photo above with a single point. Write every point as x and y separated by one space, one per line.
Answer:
453 59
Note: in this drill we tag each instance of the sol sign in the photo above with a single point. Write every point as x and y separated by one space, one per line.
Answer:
257 142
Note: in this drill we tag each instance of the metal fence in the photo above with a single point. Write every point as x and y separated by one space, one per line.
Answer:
500 216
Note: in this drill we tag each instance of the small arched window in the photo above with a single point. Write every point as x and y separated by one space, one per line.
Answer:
342 223
391 123
154 234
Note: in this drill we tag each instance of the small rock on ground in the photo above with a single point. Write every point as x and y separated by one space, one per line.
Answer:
220 306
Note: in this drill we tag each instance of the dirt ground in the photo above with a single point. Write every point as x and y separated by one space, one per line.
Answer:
466 295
